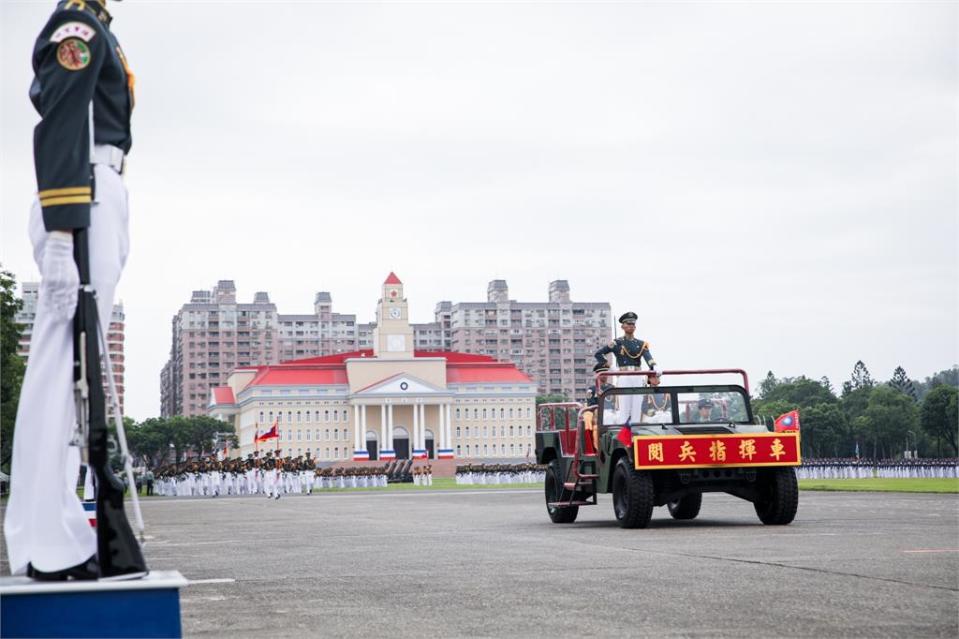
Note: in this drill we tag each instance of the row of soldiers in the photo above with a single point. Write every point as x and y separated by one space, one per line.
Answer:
485 474
274 476
852 468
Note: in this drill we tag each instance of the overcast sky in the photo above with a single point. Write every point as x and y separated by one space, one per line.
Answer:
769 186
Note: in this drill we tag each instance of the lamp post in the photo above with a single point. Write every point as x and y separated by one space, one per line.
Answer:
909 453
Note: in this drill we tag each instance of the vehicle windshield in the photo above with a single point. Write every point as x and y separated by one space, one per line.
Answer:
675 405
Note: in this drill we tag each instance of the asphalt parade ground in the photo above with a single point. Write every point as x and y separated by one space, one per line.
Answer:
490 564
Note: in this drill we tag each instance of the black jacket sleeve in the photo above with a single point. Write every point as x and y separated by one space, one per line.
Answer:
67 67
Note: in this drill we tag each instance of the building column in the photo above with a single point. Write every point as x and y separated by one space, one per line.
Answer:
389 424
415 443
449 426
383 444
440 426
359 436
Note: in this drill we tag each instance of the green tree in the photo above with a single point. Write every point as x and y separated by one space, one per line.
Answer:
550 399
901 382
938 416
825 431
11 365
800 392
202 431
860 379
889 415
767 385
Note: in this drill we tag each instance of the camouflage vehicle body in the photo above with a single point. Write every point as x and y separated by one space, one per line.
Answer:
691 439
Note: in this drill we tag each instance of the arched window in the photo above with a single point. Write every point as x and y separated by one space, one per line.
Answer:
317 434
299 435
279 435
289 417
475 413
336 453
484 413
457 413
502 432
485 431
308 433
346 415
467 431
485 450
326 434
326 416
529 430
511 450
458 431
299 417
511 432
528 413
271 417
307 416
467 450
502 413
326 454
459 450
511 413
261 416
289 435
336 434
336 415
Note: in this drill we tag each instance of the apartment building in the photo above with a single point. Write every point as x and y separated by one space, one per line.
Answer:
115 335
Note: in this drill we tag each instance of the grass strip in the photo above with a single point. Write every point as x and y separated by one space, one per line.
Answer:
879 484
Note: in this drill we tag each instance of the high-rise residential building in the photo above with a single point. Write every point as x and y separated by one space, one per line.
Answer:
30 292
550 341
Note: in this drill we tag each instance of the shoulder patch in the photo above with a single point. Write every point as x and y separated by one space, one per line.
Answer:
73 30
73 54
612 344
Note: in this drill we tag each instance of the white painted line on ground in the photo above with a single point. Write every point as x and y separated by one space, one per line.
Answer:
925 550
212 581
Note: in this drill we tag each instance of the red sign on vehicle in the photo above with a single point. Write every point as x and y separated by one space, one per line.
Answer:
710 451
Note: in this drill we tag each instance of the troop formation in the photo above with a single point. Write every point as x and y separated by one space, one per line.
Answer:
852 468
500 474
274 476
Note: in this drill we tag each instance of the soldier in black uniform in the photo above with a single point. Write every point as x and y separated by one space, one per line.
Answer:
83 92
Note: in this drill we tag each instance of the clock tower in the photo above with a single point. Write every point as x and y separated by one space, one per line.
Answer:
393 335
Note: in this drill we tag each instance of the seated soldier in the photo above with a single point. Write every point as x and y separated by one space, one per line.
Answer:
657 409
704 415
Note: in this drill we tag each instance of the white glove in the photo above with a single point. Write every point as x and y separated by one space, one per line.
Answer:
59 278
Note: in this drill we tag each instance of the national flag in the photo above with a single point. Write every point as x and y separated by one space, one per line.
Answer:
270 434
788 422
625 435
857 450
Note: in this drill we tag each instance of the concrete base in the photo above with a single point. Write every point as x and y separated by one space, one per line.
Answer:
148 607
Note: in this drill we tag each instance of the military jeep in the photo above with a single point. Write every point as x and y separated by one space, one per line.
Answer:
665 445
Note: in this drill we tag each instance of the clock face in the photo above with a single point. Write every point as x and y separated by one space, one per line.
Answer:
394 313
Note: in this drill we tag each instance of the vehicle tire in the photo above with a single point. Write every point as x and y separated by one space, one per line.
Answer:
687 507
633 496
778 497
555 491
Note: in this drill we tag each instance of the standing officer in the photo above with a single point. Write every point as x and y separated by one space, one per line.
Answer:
83 91
630 352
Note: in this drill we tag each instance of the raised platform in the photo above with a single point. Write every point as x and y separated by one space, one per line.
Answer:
148 607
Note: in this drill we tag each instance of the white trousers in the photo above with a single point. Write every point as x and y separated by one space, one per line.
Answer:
45 522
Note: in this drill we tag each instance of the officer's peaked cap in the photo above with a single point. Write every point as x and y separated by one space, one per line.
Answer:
628 317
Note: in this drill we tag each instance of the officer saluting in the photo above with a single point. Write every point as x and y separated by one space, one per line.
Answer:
630 352
83 91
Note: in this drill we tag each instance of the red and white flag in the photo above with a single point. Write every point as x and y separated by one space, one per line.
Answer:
787 423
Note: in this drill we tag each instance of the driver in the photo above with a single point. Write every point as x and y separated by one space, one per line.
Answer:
705 407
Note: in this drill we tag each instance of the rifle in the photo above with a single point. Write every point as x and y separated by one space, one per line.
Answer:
118 553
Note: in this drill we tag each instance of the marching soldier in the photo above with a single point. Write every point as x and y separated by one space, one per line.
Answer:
83 92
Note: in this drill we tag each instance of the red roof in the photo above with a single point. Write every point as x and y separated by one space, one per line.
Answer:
300 376
223 395
392 279
479 374
461 368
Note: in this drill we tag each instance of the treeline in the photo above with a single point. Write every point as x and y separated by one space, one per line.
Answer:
158 441
880 420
